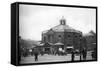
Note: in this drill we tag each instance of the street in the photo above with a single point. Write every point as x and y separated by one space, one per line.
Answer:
52 58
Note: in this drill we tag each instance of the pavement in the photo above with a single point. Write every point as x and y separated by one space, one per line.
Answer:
52 58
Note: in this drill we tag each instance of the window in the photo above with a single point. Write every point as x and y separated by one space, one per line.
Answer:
75 36
59 36
79 35
68 35
92 36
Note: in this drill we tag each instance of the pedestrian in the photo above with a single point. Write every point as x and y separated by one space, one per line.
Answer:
36 54
84 53
94 54
73 55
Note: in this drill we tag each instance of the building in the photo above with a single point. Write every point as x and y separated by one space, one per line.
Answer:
91 40
61 38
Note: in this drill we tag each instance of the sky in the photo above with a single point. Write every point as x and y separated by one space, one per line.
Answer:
34 19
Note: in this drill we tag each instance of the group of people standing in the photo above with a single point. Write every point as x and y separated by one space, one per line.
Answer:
83 54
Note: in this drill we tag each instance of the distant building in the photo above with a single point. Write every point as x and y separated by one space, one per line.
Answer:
61 37
91 40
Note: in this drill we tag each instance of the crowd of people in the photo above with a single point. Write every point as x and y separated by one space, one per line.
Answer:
35 52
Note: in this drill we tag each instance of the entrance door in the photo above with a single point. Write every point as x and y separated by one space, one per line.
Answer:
69 48
47 50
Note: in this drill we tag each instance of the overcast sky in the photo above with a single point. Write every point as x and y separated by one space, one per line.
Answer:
34 19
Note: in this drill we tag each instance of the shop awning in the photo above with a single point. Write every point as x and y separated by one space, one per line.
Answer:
58 43
69 47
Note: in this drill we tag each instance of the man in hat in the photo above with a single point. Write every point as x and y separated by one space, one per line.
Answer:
36 52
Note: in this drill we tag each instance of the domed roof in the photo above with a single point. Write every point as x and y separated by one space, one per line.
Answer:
62 27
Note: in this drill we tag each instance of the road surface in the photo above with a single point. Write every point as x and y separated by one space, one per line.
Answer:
52 58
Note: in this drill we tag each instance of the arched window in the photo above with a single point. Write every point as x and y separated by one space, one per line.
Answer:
59 38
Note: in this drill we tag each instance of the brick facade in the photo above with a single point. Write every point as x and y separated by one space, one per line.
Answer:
64 34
